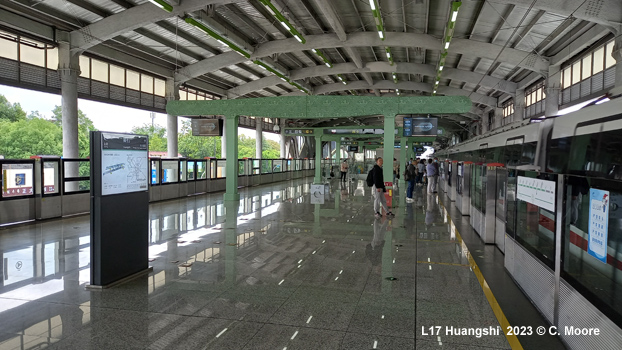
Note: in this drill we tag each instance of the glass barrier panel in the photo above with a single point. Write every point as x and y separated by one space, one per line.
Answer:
213 169
77 186
182 170
484 183
476 187
50 177
201 170
221 168
241 167
17 179
191 174
591 246
266 165
277 166
535 226
510 226
155 172
289 165
170 171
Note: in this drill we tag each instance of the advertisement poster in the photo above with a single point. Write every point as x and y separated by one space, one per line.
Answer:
599 219
537 192
125 163
17 180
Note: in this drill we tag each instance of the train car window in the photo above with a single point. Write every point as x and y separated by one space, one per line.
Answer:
528 154
603 156
557 154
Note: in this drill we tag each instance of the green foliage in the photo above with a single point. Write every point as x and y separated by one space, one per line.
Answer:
28 137
157 136
270 149
11 111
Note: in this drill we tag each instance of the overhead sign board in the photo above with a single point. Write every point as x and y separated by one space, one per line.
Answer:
537 192
124 163
356 131
353 149
207 127
298 131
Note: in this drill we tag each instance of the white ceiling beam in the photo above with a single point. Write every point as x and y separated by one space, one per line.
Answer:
208 65
333 18
130 19
467 47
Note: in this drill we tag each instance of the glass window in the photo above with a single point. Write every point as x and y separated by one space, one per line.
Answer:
191 170
8 48
85 67
182 170
220 172
266 166
155 171
200 97
599 60
586 67
567 78
132 80
160 87
32 55
538 95
191 96
202 170
277 166
146 84
52 58
99 70
609 60
51 177
240 167
117 75
576 72
18 180
183 95
170 171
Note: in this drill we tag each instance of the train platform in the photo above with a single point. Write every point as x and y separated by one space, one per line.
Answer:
286 275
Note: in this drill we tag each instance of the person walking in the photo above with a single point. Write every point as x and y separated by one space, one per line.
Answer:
344 170
378 190
410 176
432 175
421 169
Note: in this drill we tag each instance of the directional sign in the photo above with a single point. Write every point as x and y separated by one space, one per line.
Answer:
537 192
298 131
206 127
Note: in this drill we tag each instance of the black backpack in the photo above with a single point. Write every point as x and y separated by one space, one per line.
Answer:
370 178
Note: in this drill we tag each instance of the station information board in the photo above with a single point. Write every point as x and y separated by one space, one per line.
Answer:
420 126
124 163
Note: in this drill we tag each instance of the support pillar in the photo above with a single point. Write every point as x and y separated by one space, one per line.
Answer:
318 160
498 118
553 87
223 140
519 105
389 150
172 94
69 70
283 152
258 137
617 54
231 170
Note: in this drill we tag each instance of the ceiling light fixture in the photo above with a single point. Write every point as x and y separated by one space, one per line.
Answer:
220 38
163 5
284 22
449 32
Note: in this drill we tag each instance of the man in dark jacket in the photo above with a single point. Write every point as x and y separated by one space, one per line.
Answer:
410 175
378 190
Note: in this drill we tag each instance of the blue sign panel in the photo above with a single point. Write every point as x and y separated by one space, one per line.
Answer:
408 126
599 219
154 176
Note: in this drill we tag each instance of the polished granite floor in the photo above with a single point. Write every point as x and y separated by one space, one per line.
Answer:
270 272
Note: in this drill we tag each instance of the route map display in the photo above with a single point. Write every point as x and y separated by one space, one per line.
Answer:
125 163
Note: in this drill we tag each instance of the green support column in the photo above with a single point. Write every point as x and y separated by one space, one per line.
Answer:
231 170
389 150
318 159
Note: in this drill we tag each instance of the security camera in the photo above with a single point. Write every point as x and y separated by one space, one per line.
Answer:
276 128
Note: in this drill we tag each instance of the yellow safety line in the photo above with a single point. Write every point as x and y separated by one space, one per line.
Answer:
436 240
496 308
441 263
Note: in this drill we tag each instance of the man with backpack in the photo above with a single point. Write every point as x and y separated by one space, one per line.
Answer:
410 175
375 180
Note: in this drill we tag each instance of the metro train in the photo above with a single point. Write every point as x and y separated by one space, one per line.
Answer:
586 147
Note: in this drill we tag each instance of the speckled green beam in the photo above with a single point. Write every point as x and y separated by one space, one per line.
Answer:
318 107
